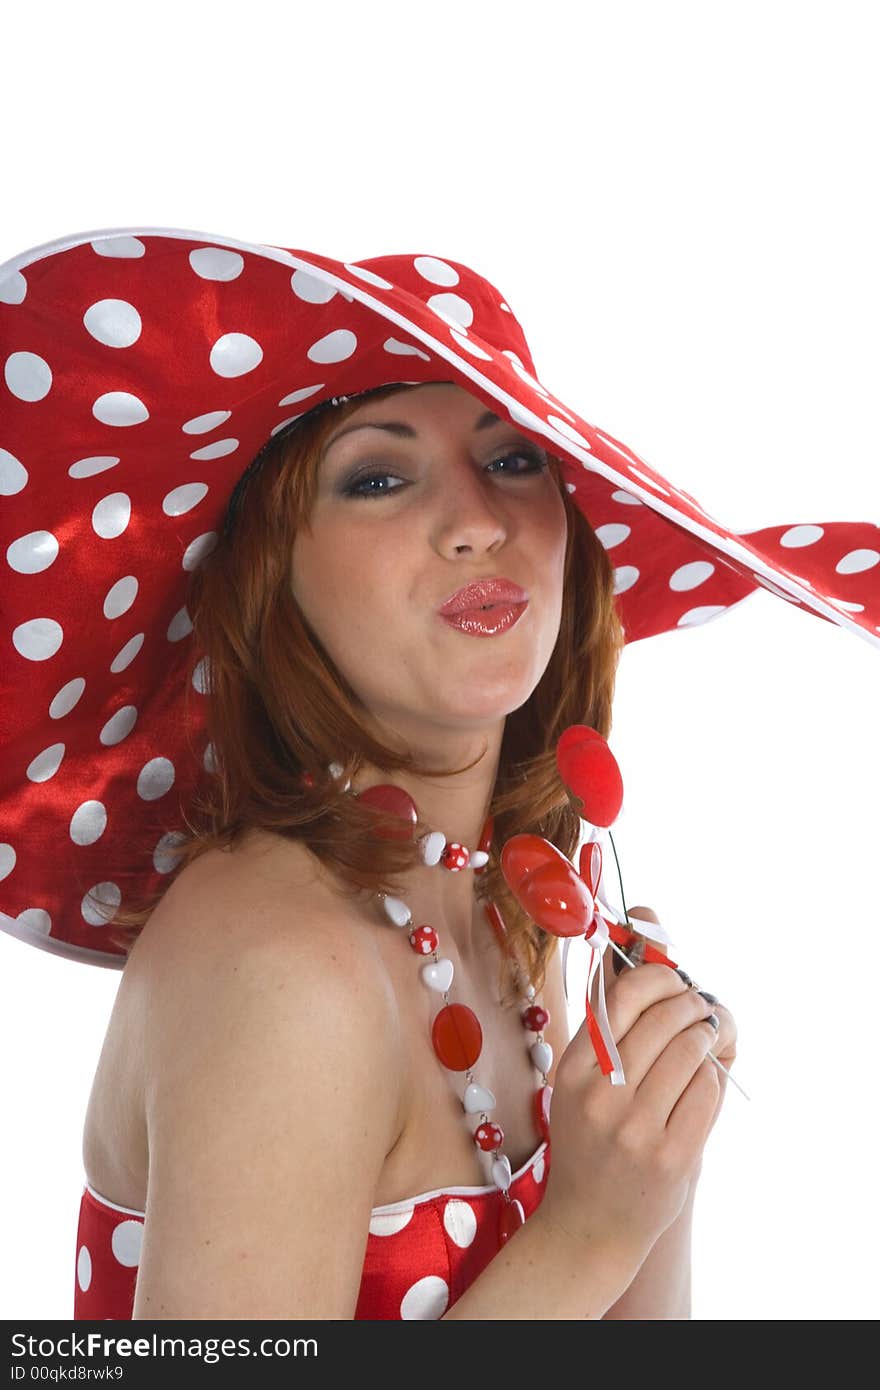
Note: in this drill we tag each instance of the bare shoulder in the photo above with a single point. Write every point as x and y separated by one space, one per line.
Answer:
271 1090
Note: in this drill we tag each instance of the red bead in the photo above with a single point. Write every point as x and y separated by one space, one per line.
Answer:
486 841
535 1018
590 771
489 1136
547 885
455 856
424 940
510 1219
543 1096
402 814
307 780
457 1037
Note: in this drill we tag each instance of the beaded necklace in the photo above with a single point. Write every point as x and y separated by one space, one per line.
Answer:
456 1035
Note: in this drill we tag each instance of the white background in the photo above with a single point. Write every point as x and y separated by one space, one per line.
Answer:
679 202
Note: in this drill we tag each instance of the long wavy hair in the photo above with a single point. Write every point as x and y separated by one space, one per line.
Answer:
271 751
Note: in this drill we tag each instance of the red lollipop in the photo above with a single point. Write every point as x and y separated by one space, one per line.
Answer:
589 770
546 885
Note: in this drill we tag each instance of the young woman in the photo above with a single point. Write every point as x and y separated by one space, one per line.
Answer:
325 1088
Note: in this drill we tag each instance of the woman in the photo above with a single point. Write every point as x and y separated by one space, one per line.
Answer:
274 1085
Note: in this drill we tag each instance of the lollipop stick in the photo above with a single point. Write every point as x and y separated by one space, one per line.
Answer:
729 1075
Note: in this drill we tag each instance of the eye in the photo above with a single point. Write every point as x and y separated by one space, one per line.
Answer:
534 457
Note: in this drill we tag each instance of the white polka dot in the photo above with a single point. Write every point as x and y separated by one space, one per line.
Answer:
197 550
369 277
155 778
106 894
13 288
113 322
470 347
13 474
453 309
612 534
570 487
437 272
691 575
333 347
301 394
310 288
123 247
68 696
460 1222
164 858
38 639
111 515
126 1242
857 561
235 354
404 349
46 764
84 1268
120 408
201 676
126 655
200 424
217 450
426 1298
538 1169
520 416
184 498
33 553
7 860
28 376
624 578
568 431
180 626
524 375
801 535
88 822
695 616
626 498
120 597
506 307
216 263
87 468
35 920
388 1223
118 726
282 424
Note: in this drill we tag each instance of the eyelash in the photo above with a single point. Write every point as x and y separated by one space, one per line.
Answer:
532 454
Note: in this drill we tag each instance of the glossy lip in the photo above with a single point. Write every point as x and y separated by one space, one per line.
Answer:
495 620
479 593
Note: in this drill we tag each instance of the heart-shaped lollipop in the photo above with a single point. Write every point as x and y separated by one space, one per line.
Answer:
546 885
589 770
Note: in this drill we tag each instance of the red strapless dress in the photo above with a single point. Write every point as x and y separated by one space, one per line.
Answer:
421 1254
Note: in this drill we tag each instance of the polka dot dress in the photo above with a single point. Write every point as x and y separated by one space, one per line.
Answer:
140 372
421 1253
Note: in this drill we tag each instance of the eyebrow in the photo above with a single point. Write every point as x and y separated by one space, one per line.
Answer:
403 431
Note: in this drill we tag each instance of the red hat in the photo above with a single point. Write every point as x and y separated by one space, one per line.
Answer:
143 370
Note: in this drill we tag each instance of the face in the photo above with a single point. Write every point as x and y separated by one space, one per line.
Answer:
401 520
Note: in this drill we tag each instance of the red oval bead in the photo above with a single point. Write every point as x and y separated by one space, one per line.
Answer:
511 1218
489 1136
454 856
535 1018
486 837
402 814
543 1096
457 1037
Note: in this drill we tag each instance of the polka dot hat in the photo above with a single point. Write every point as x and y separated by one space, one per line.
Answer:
143 369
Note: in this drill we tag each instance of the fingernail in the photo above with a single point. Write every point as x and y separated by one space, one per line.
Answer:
685 976
714 1020
709 998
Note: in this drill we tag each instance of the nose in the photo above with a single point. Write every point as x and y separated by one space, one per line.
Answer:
472 514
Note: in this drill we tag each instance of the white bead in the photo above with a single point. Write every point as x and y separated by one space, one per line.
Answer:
477 1099
437 974
397 911
433 844
479 858
530 992
541 1054
501 1173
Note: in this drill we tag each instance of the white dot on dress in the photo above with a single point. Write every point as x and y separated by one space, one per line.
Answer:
216 263
235 354
460 1221
113 322
120 408
33 553
13 474
38 638
436 271
120 596
84 1268
126 1242
426 1298
388 1223
333 347
28 376
88 823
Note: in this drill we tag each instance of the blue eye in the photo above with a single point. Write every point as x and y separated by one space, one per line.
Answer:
533 456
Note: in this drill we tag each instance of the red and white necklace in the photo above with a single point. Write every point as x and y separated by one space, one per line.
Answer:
456 1035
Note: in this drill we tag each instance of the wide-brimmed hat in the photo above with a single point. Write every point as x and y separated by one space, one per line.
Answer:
143 371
